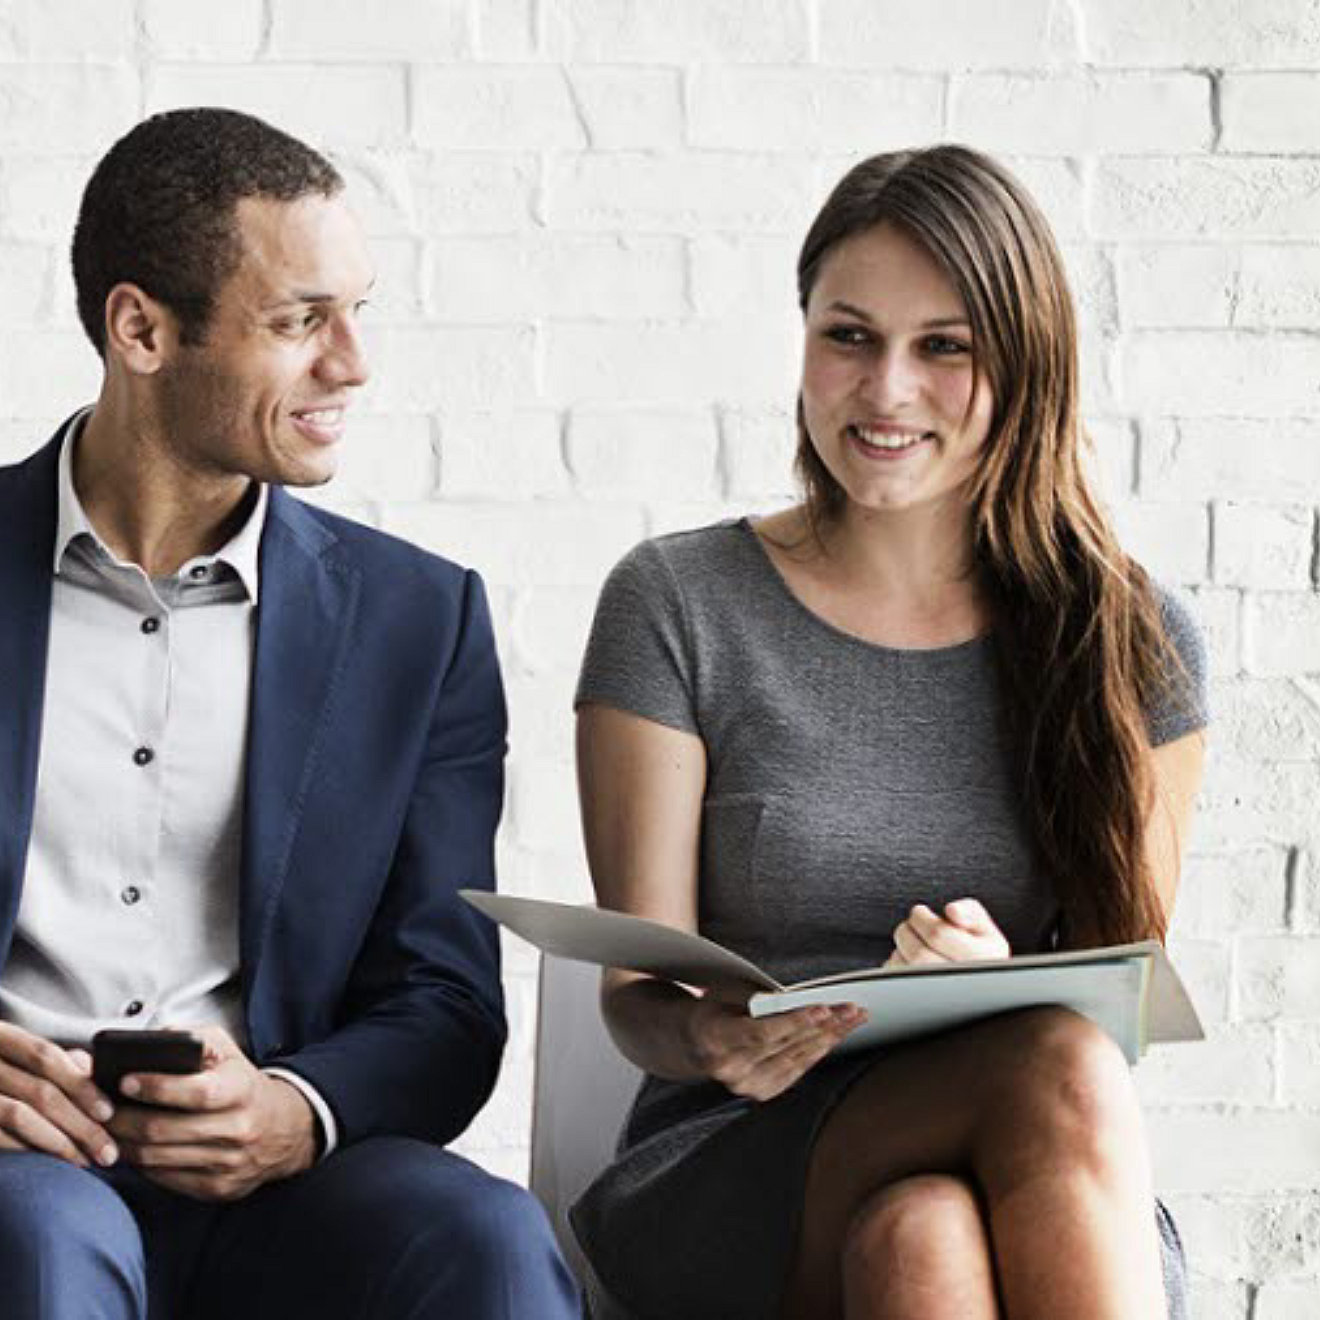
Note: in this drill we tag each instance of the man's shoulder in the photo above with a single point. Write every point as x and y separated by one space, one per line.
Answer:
368 550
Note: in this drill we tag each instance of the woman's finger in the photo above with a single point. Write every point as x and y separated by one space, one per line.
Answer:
916 952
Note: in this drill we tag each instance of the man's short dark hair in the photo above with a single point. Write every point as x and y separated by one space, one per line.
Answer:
159 209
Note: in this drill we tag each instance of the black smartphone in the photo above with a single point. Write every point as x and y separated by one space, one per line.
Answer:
116 1053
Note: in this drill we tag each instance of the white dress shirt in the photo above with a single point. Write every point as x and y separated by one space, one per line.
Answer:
129 909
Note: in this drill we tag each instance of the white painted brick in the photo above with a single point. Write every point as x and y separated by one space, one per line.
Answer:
432 367
1288 1300
1177 286
1282 633
625 190
1234 1064
541 705
744 275
1091 279
1279 288
479 193
631 453
692 363
1139 113
1098 355
629 108
1251 459
381 190
1305 913
386 458
1234 373
1211 1300
1112 458
1058 189
811 109
69 30
1252 802
681 31
1267 546
550 627
543 806
172 31
757 455
26 278
1266 719
523 545
1214 33
520 108
953 34
1278 978
558 276
1247 1150
398 293
47 108
47 373
502 454
1244 890
1206 969
505 29
1231 1237
1219 613
1300 1065
1206 197
350 30
664 516
329 106
1171 540
1273 112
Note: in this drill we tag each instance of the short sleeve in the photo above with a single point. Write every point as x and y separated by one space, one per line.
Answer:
1183 707
639 657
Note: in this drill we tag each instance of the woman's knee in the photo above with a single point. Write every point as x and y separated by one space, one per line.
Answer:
1063 1087
923 1228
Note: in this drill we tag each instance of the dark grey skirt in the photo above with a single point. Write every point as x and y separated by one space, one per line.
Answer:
697 1218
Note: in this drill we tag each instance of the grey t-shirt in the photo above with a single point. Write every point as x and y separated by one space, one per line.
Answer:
846 781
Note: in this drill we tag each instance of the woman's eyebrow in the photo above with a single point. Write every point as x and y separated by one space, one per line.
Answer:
936 323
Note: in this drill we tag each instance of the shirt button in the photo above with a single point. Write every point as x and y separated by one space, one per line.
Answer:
150 625
143 756
130 894
133 1008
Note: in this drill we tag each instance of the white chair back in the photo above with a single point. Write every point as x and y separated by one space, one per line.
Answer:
582 1092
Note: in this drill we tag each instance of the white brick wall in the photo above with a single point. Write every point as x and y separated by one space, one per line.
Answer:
586 214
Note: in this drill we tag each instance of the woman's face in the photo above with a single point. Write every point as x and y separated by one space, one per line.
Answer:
891 402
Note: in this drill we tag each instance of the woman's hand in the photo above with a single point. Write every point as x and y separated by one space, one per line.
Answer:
964 933
761 1057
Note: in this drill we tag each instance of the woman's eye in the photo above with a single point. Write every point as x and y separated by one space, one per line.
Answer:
850 336
943 346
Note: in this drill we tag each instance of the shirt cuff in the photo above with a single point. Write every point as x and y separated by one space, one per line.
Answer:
329 1129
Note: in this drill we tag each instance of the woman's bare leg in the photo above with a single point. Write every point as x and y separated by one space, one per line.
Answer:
1037 1111
919 1250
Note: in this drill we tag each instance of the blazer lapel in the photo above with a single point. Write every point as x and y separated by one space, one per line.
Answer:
307 602
27 540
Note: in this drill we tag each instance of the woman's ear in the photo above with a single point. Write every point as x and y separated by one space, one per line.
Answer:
140 331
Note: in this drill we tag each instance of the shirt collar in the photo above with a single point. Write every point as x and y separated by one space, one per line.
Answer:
241 552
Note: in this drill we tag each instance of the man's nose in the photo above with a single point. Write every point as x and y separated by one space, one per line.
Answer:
345 360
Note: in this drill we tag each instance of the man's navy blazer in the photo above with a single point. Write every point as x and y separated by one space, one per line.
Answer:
374 782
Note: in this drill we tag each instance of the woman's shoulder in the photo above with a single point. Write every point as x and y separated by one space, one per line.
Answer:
1184 706
688 561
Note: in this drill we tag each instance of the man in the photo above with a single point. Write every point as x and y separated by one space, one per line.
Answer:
249 751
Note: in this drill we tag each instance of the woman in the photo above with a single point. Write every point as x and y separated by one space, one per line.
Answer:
934 713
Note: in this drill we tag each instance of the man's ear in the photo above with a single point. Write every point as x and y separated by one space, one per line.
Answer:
141 332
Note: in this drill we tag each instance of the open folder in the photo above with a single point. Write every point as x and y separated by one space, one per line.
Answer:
1130 990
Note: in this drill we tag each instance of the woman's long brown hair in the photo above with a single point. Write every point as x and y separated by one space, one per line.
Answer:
1081 647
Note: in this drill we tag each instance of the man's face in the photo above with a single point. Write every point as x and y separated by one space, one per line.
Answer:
264 395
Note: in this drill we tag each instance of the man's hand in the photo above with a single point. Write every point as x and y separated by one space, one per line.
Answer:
218 1134
48 1102
965 933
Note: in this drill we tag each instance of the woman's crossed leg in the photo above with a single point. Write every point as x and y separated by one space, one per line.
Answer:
999 1169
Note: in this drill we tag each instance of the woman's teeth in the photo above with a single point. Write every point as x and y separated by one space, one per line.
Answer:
887 439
